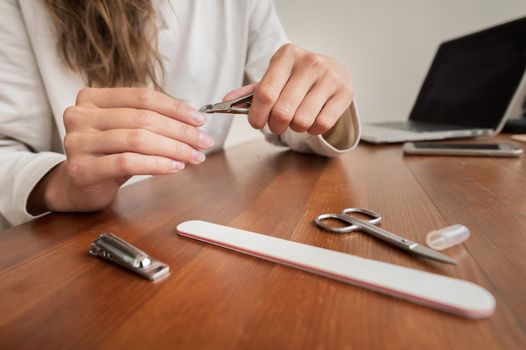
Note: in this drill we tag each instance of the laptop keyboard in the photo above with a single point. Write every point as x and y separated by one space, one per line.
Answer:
418 127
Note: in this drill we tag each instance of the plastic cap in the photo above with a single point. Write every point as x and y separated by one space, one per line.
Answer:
447 237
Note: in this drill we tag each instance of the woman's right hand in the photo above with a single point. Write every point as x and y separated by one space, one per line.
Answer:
113 134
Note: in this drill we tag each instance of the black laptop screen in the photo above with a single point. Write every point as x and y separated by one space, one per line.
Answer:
473 78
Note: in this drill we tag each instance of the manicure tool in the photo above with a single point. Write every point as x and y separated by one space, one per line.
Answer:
240 105
369 226
447 294
113 248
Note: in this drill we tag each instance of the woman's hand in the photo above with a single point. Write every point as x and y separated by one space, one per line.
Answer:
301 90
113 134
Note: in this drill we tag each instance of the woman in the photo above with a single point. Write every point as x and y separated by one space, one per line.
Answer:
86 94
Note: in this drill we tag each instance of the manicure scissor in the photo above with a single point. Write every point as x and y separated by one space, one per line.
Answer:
369 226
239 105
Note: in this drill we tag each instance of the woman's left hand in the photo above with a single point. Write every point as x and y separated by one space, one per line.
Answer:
301 90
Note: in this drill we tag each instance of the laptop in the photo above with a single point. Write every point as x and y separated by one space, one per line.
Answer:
470 90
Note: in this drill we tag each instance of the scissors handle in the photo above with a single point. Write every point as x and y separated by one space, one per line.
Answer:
368 226
350 221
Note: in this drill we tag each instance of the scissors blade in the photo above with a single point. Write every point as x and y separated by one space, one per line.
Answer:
432 254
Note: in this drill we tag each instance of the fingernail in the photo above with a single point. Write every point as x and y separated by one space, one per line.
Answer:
205 140
176 166
197 117
197 156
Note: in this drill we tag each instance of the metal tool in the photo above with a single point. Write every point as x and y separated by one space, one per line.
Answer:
240 105
113 248
369 226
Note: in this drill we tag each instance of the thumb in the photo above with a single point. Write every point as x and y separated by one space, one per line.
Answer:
241 91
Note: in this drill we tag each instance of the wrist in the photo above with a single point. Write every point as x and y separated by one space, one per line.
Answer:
339 135
49 193
55 193
36 202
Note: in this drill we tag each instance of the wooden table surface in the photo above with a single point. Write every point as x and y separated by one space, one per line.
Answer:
53 294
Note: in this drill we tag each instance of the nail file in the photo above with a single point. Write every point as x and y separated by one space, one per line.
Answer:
436 291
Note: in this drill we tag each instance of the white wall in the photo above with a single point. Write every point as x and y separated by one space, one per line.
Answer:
387 44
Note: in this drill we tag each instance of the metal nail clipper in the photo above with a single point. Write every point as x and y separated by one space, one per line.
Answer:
113 248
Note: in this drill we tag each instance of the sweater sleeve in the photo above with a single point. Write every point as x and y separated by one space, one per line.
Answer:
266 35
26 121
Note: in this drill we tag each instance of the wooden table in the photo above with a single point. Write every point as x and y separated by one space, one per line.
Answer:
53 294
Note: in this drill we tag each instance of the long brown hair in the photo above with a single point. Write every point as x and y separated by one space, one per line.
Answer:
110 42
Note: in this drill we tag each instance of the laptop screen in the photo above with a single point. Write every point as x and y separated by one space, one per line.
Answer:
473 78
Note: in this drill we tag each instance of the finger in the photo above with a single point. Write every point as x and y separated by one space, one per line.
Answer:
129 118
331 112
295 90
140 98
312 105
240 92
269 88
94 170
137 141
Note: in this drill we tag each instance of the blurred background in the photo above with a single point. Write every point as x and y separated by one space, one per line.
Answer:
388 45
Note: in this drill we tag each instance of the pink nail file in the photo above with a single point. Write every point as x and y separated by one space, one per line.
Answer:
440 292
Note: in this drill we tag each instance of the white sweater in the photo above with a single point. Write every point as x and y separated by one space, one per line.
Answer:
209 47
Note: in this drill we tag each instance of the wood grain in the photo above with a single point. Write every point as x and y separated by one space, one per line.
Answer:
54 295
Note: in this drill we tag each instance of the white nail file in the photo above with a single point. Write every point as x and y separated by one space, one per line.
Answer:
440 292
